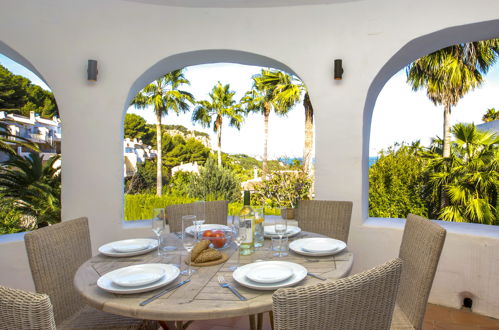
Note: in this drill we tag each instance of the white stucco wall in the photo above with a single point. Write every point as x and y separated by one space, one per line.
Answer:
135 42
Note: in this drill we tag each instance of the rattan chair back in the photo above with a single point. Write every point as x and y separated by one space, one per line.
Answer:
25 310
361 301
330 218
212 212
420 251
55 253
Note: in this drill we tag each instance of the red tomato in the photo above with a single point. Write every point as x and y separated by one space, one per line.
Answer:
208 233
219 240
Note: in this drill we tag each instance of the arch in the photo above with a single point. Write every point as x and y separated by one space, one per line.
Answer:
15 56
208 56
413 50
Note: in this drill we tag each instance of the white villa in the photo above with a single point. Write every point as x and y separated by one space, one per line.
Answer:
187 167
135 152
45 132
137 41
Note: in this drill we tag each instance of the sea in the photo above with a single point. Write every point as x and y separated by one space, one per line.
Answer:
373 160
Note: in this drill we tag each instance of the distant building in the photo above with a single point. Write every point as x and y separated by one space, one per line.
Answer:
188 167
45 132
135 153
490 126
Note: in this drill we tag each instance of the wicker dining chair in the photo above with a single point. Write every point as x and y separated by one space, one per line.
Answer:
422 244
212 212
55 253
361 301
330 218
21 309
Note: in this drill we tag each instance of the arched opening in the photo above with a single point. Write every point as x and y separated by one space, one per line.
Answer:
415 49
30 147
210 74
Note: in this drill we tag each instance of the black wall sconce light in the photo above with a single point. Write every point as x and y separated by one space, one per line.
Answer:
92 70
338 70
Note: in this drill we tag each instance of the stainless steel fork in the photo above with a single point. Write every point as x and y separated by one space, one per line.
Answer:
224 284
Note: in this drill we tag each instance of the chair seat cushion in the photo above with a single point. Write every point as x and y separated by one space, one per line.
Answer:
91 318
400 320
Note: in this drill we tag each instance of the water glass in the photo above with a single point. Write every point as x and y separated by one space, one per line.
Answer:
280 246
162 242
280 227
158 224
238 237
189 241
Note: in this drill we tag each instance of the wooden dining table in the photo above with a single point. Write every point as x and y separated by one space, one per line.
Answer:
202 298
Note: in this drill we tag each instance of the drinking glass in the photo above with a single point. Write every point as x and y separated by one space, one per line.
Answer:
158 224
188 241
238 237
280 227
162 243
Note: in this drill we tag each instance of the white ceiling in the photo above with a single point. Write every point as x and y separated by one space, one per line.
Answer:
240 3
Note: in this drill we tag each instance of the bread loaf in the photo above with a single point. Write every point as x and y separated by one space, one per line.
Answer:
208 255
200 247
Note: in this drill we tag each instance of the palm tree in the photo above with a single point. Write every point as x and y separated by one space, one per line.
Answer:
449 73
286 91
469 177
261 99
33 188
490 115
164 95
9 140
221 105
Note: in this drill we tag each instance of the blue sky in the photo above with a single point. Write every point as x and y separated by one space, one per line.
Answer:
399 114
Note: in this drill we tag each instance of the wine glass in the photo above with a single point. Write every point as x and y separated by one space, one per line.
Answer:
158 224
188 241
238 237
280 227
161 214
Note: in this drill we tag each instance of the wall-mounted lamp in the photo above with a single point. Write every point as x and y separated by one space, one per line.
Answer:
338 70
92 70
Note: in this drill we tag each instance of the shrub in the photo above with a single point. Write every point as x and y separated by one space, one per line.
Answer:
284 189
140 206
214 183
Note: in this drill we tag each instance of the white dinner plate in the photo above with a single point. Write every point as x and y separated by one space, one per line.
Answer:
109 250
269 231
106 281
130 245
138 275
269 273
317 246
299 273
190 230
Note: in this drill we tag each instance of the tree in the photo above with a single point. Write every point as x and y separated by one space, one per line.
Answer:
164 95
286 91
261 99
214 183
32 188
18 94
221 105
397 181
135 127
469 177
449 73
490 115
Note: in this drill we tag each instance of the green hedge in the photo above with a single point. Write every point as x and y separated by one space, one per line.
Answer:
140 206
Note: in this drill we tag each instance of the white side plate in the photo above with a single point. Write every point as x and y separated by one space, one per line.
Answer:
269 273
328 246
138 275
108 249
105 282
269 231
299 273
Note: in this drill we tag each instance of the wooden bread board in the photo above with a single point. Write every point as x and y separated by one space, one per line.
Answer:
209 263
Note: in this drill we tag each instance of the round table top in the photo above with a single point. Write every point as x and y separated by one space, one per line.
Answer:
202 298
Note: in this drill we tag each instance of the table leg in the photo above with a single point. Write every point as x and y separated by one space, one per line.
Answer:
252 322
271 316
259 321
